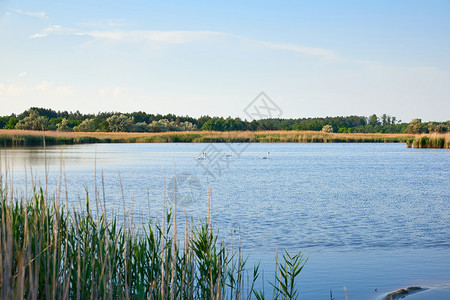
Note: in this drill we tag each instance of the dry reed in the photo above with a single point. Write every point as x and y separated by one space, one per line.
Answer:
31 138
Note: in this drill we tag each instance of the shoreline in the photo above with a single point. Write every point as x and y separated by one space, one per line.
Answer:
25 138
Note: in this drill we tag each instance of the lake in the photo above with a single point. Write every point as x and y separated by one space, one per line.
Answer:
371 217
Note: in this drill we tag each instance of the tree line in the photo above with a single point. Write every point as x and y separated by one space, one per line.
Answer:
37 118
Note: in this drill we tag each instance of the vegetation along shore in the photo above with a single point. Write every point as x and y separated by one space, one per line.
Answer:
49 251
25 138
65 127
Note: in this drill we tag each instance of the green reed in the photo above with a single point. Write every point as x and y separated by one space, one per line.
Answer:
433 141
51 252
33 138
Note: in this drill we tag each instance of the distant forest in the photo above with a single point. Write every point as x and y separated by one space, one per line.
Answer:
47 119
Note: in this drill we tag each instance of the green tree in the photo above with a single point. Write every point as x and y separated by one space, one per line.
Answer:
384 119
441 128
188 126
327 128
11 124
140 117
32 122
416 126
53 123
437 128
63 126
3 121
373 120
157 126
174 127
215 124
202 120
120 123
141 127
230 124
45 112
86 126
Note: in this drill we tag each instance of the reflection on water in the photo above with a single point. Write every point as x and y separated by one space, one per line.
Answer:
370 215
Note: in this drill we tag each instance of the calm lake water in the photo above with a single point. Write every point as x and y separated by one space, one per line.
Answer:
370 216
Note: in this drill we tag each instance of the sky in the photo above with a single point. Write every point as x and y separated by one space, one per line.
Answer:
312 58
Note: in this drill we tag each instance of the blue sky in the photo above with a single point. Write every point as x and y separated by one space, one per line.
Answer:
313 58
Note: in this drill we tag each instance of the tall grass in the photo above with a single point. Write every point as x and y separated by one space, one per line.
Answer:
34 138
435 140
49 251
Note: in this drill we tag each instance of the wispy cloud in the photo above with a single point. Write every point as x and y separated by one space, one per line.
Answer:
104 24
21 75
110 91
39 14
11 89
46 87
180 37
52 29
52 88
300 49
38 35
171 37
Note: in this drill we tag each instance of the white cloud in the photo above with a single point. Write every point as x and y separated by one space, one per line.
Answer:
50 88
11 90
108 92
38 35
171 37
300 49
103 24
44 85
174 37
39 14
181 37
52 29
21 75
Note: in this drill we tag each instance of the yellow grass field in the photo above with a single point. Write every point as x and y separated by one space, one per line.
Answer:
31 138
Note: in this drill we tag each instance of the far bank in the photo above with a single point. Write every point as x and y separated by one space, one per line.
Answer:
24 138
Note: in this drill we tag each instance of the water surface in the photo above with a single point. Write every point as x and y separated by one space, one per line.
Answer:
370 216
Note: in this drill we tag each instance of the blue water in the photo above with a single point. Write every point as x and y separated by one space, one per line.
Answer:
370 216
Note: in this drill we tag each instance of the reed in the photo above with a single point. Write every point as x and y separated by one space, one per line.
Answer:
34 138
435 140
51 252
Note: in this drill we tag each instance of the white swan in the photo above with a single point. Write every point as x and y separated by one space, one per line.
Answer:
201 157
266 157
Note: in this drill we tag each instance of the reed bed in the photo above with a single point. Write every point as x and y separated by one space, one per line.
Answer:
34 138
49 251
435 140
